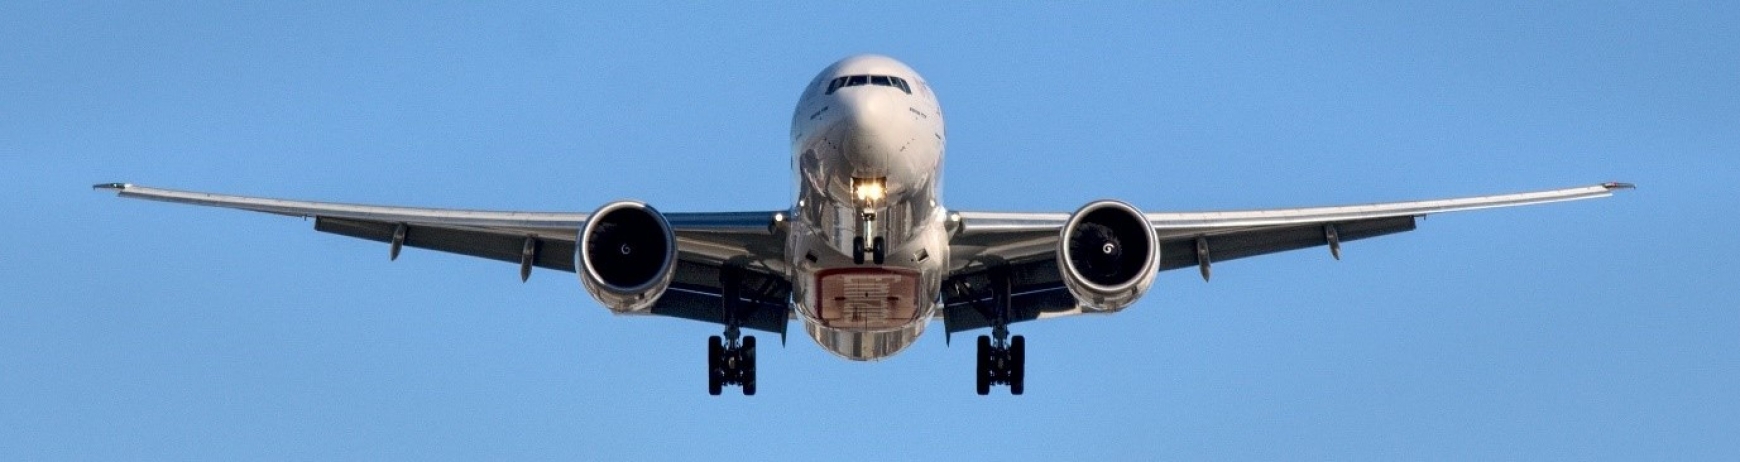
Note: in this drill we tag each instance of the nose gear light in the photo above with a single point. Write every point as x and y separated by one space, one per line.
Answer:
869 194
869 191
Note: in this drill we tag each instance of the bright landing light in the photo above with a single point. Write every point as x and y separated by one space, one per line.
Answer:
868 190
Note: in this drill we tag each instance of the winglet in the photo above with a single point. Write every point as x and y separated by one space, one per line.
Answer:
112 186
1612 185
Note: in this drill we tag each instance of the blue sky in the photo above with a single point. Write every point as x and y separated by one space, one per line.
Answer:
1602 329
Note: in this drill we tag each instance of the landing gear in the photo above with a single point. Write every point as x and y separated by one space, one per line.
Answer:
868 194
1002 362
715 358
731 357
1002 358
730 362
878 250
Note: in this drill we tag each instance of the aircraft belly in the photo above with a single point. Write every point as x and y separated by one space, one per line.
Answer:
866 312
860 345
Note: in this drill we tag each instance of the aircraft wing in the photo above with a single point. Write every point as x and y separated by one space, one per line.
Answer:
706 242
1024 244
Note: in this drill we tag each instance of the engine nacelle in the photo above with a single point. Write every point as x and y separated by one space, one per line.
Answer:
1108 254
626 255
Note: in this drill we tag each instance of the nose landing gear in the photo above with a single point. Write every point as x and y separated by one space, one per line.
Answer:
877 250
869 193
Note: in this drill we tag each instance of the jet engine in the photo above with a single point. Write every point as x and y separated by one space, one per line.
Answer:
1108 255
626 256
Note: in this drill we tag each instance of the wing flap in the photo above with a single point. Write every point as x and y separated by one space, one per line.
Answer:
550 253
1229 245
968 314
704 307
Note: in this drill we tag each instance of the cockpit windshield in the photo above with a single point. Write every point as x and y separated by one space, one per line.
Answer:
878 80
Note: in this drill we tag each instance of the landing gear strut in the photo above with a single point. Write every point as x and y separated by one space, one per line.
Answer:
1002 358
868 194
731 358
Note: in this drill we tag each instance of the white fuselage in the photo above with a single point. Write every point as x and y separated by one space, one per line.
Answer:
867 150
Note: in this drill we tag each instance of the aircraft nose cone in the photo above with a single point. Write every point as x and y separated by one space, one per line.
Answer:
874 132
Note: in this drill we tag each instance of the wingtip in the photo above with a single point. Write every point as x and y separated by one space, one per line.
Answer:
1614 185
112 186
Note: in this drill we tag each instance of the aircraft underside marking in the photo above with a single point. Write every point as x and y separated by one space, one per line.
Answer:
867 298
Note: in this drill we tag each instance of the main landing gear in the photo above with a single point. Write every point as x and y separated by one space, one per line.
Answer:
730 362
1002 358
1002 362
731 358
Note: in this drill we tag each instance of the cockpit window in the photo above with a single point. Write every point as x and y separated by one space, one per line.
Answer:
877 80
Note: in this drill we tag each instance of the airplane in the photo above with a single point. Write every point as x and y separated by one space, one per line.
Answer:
867 256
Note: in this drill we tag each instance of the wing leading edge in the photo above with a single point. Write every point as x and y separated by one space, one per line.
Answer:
1024 244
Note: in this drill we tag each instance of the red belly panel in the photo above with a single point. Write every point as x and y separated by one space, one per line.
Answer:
866 298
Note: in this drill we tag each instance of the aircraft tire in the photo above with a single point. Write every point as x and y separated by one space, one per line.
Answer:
1017 365
982 374
715 374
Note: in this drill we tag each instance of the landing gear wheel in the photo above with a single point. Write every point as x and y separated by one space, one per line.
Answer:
746 360
879 250
982 375
858 250
730 363
715 358
1002 363
1017 365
